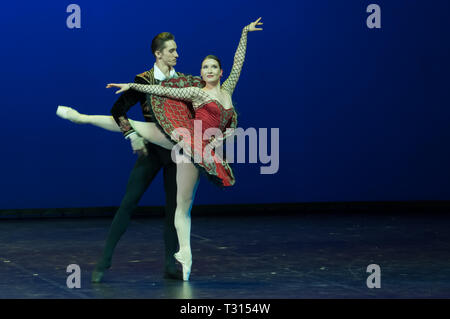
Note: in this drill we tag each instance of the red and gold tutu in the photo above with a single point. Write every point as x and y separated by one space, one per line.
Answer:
178 120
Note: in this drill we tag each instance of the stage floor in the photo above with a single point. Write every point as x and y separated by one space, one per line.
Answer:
285 256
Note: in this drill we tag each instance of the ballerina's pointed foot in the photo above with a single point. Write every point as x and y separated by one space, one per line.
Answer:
185 259
70 114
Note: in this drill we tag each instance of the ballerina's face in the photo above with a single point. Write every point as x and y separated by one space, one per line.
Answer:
169 54
211 71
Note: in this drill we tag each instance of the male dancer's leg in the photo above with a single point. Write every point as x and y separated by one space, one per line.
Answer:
141 176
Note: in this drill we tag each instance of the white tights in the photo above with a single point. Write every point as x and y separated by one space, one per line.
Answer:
187 174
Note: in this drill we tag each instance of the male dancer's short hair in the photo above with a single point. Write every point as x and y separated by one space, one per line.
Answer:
159 41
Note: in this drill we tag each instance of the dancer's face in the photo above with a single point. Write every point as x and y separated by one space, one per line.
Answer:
211 71
169 54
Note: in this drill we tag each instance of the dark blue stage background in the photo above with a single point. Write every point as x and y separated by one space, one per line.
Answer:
363 114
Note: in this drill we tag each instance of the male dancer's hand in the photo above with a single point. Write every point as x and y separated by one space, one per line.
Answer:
137 144
216 142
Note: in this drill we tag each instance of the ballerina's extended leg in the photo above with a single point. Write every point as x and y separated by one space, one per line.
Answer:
103 121
147 130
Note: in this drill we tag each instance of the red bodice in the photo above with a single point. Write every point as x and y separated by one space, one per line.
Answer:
213 114
176 119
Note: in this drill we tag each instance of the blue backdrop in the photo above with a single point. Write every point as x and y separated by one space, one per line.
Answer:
362 113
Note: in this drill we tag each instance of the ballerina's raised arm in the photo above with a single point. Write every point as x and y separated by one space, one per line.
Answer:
239 57
191 94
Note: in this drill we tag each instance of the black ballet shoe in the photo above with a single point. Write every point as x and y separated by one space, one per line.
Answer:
99 272
173 273
97 276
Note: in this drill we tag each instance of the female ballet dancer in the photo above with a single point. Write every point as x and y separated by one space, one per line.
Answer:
175 125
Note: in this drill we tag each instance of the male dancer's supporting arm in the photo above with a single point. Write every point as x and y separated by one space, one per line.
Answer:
119 113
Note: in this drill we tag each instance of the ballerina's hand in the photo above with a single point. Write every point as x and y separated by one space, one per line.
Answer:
123 87
252 26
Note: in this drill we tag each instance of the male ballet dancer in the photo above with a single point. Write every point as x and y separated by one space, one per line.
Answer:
151 159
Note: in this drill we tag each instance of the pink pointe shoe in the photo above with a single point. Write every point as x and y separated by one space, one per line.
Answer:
70 114
185 259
